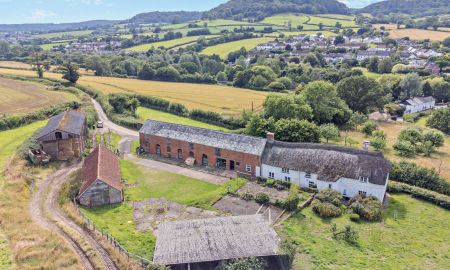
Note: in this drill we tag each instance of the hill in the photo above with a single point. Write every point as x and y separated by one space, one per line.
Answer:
166 17
259 9
412 7
53 27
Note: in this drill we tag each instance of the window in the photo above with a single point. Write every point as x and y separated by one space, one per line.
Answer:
345 192
191 154
363 179
217 152
287 179
58 135
312 185
180 154
158 149
205 160
271 175
169 149
308 175
191 146
285 170
248 168
329 186
362 193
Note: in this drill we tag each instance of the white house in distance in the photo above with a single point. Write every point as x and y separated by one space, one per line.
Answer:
418 104
347 170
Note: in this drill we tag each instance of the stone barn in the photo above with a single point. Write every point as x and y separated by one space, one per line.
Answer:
204 243
101 179
64 137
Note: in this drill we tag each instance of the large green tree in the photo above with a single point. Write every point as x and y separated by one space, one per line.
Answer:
411 86
294 130
281 106
440 120
70 72
326 105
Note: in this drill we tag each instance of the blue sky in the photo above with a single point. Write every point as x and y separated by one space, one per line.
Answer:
43 11
57 11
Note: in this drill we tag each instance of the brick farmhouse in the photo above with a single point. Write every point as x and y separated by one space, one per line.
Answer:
64 136
101 179
347 170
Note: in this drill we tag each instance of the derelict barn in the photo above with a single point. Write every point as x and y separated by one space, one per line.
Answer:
215 149
64 137
202 244
101 179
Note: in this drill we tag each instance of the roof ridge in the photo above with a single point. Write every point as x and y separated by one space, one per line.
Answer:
99 160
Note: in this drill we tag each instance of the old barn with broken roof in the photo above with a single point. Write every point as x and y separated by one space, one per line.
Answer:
203 243
101 179
64 136
348 170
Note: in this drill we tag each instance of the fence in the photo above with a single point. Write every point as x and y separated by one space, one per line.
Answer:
90 225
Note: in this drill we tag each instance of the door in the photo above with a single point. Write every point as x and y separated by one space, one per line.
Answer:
231 165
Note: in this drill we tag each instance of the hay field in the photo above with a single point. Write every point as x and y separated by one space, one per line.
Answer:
13 64
415 34
225 48
18 97
226 100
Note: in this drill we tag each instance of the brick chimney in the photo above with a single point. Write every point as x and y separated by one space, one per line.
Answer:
270 136
366 145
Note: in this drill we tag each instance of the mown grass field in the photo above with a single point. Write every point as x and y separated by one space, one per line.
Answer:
224 49
331 22
49 46
18 97
150 114
15 65
297 33
415 34
226 100
167 44
64 34
416 239
118 220
310 22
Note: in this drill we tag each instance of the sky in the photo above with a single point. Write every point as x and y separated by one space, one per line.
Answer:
58 11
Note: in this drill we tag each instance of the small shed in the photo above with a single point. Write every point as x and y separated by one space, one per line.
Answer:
101 179
64 136
203 243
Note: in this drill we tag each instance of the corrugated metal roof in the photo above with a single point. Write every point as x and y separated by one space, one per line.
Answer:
217 139
69 121
215 239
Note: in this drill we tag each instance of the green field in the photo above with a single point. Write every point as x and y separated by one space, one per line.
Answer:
65 34
297 33
167 44
150 114
9 141
49 46
224 49
417 239
283 20
310 22
118 220
331 22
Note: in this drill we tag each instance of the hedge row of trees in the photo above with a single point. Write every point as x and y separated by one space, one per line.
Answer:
420 193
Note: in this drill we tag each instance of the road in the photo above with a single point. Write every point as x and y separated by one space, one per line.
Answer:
46 212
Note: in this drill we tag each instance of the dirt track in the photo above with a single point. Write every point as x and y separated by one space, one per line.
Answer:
45 211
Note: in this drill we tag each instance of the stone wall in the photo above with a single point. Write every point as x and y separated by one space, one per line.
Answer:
100 194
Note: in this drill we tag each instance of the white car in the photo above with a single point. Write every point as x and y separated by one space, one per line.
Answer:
99 124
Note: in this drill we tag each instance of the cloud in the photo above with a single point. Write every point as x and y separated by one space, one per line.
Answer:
41 14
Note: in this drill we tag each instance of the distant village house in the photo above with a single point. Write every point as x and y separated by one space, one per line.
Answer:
101 179
418 104
64 137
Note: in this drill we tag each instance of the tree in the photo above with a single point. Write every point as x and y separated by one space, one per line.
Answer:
372 66
358 119
70 72
38 64
440 120
167 73
327 107
411 86
146 73
446 42
293 130
427 89
385 66
440 89
339 40
329 132
243 264
289 106
404 148
436 138
362 94
259 126
378 143
4 48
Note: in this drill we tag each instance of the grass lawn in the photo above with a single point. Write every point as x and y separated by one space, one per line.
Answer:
146 114
64 34
225 100
331 22
118 220
168 43
367 73
9 141
225 48
417 239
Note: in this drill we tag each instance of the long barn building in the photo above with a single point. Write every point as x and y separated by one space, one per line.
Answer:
347 170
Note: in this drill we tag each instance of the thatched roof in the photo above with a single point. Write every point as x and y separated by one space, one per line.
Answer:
103 165
213 138
70 121
215 239
329 162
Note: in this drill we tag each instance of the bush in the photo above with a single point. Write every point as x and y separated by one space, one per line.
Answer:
354 217
246 196
404 148
369 127
330 196
368 208
262 198
291 203
270 182
325 209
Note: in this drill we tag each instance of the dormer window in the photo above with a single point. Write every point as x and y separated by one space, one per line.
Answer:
363 179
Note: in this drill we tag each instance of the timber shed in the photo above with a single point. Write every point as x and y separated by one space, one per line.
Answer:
204 243
101 179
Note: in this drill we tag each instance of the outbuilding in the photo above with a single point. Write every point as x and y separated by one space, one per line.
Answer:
101 179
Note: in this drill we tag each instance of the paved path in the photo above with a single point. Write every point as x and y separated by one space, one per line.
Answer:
130 135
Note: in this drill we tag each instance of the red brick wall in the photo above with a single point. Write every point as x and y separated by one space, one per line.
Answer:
149 142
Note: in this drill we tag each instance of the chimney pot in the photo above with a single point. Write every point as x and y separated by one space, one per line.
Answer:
270 136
